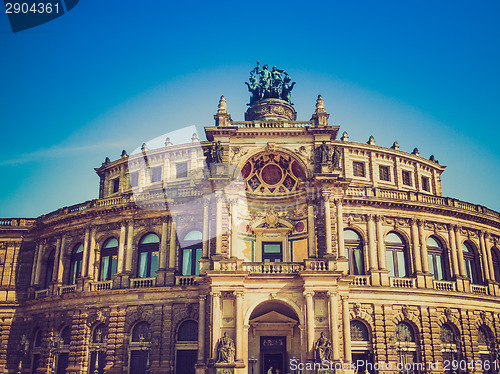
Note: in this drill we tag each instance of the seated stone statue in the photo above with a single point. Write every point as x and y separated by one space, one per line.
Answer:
322 349
225 350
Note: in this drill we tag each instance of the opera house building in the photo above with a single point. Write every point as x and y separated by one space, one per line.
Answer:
274 246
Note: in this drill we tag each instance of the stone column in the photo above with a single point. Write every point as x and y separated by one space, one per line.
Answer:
121 248
239 325
35 264
340 228
453 250
216 317
206 241
92 254
460 252
172 245
311 237
334 323
417 260
60 266
56 259
130 249
371 243
423 246
85 260
347 329
41 250
163 245
382 261
490 257
218 223
234 227
484 258
201 329
328 224
310 322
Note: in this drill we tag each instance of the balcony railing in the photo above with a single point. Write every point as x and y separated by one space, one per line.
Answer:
142 282
64 290
40 294
403 282
101 286
479 290
273 267
186 280
445 285
361 280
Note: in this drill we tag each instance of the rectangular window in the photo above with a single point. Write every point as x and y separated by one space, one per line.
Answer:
181 170
401 265
390 263
134 179
358 169
425 184
116 185
272 252
156 174
407 178
384 173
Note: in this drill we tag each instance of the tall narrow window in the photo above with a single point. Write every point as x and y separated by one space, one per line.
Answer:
116 185
358 169
384 173
139 356
449 342
191 253
425 184
436 256
49 269
134 179
495 256
97 354
36 361
471 264
156 174
181 170
396 255
186 347
407 178
406 345
354 252
148 256
63 351
109 259
75 268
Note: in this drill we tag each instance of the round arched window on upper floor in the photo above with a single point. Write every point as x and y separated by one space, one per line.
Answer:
396 255
436 256
149 247
109 259
75 268
191 252
471 263
353 245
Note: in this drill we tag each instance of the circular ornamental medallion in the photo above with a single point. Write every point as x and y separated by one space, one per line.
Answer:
271 174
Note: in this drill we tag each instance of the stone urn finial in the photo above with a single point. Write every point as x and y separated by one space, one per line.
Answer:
222 105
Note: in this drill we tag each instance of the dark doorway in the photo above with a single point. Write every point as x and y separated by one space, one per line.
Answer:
62 363
186 361
273 349
138 362
272 252
363 361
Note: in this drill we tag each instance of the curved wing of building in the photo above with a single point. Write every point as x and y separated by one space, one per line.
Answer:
274 246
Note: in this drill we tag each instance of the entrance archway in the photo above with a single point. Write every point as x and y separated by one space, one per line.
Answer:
274 337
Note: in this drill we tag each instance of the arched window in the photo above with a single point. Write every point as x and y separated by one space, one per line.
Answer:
436 256
109 259
75 268
450 343
49 268
472 269
406 345
140 348
495 256
148 256
191 253
97 356
361 346
63 350
359 331
186 347
36 351
354 252
396 255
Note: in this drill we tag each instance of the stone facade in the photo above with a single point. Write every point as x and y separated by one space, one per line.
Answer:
296 236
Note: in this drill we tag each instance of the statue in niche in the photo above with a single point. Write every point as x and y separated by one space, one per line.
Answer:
337 155
217 153
225 350
324 153
323 349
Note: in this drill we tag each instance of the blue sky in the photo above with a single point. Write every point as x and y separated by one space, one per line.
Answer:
109 75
